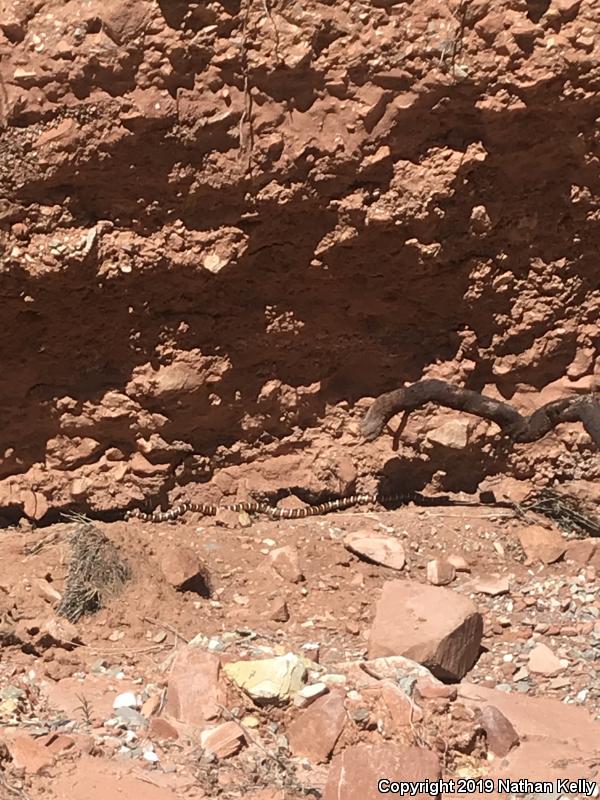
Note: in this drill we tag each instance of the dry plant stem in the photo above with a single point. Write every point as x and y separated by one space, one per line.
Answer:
39 546
166 627
130 650
519 428
471 516
12 790
3 103
269 14
246 117
248 735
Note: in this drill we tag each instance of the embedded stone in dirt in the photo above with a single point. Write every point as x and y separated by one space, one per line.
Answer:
543 661
541 544
160 728
440 572
286 563
581 550
56 743
314 733
500 733
354 774
398 709
279 611
453 435
459 563
184 570
430 688
63 452
353 673
398 669
57 633
493 585
47 591
226 518
193 693
384 550
130 718
65 695
29 755
224 740
150 706
432 625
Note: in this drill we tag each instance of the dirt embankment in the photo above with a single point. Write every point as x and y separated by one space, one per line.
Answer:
222 225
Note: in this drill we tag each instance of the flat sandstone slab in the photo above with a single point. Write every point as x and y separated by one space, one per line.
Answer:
432 625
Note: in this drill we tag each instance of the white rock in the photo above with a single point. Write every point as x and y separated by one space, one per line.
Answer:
333 678
307 694
126 700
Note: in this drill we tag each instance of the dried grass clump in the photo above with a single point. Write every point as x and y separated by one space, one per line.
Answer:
97 572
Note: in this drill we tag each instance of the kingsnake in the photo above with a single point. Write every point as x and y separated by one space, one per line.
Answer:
272 512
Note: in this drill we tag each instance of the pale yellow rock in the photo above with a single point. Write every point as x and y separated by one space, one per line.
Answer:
275 679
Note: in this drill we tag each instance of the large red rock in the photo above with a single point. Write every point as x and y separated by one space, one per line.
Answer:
355 773
314 733
193 693
581 550
500 733
181 566
30 755
286 563
542 544
432 625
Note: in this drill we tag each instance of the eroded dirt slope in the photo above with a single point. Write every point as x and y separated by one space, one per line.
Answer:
224 224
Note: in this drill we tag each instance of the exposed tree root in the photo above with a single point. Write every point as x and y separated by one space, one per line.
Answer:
519 428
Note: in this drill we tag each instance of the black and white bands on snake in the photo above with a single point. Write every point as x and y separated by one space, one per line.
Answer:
272 512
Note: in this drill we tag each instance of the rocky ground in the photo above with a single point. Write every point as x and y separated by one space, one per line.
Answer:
260 659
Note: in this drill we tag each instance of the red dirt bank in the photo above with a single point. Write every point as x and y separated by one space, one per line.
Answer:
220 230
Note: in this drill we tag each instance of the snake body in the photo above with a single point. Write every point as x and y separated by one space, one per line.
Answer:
272 512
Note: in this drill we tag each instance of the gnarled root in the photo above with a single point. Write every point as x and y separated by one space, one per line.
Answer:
519 428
